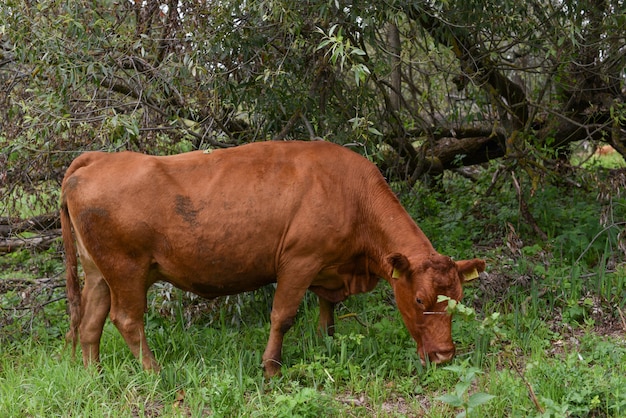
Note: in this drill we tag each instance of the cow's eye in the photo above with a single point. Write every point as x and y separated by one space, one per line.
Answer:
419 301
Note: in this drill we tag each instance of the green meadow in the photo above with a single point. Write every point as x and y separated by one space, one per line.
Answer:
540 334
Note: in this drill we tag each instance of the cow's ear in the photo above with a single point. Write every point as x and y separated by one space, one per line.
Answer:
399 265
469 269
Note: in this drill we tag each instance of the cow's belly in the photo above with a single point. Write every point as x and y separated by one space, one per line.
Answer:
213 277
211 288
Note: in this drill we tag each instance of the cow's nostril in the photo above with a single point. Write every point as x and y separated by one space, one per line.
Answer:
442 356
437 357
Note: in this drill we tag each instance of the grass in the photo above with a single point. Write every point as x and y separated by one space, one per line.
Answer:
541 333
368 369
211 370
607 159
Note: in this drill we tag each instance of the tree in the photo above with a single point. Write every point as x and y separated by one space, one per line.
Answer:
418 86
553 71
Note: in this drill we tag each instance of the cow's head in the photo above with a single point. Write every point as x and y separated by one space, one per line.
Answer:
417 283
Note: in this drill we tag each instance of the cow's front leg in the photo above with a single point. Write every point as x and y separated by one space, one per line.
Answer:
286 302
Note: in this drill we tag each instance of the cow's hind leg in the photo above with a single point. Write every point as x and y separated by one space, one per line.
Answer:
129 284
96 303
127 315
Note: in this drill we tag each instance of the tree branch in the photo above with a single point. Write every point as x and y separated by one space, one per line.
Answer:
473 61
41 242
41 223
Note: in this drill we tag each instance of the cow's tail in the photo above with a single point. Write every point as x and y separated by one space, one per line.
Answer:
72 283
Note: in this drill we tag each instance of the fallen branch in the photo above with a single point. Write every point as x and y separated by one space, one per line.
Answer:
352 315
26 283
531 392
621 316
40 242
40 223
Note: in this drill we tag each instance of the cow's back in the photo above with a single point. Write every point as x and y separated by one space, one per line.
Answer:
221 222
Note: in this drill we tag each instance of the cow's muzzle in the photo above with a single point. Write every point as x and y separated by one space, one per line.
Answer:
437 357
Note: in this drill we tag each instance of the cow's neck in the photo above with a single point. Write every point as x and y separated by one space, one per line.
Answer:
393 231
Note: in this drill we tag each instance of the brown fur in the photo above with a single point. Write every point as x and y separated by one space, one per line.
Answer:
304 215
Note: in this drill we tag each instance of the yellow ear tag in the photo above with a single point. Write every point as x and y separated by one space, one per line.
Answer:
470 275
395 274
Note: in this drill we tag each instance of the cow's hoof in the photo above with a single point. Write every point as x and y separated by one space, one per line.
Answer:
271 368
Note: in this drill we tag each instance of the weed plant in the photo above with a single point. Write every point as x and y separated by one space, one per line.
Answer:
540 334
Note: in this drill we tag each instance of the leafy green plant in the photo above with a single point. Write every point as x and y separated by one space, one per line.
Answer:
585 381
341 50
461 398
302 402
482 332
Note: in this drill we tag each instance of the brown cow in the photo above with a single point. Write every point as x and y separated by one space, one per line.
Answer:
304 215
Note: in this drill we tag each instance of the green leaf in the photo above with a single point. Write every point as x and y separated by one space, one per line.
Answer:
324 43
458 369
375 131
462 387
360 73
451 400
479 399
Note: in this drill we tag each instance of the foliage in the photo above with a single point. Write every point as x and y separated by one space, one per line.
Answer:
459 398
579 384
418 87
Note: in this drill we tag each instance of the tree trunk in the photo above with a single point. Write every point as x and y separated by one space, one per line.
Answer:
393 38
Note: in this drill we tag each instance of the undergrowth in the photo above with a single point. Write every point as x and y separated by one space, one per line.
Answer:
540 334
